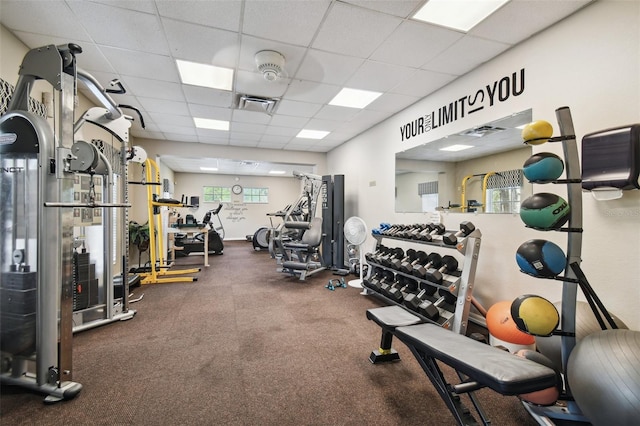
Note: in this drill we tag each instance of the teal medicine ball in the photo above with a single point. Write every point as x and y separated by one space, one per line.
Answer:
543 167
545 211
541 258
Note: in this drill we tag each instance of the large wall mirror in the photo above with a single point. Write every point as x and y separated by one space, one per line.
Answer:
478 170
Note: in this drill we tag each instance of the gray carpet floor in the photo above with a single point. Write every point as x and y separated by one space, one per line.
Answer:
245 345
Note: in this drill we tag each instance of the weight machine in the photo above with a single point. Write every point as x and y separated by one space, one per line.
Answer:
39 167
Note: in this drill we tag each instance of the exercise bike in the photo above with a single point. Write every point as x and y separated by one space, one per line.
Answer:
214 234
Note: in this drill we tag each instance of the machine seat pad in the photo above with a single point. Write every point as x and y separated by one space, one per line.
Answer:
499 370
392 317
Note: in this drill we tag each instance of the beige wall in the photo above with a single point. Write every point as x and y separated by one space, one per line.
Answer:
588 62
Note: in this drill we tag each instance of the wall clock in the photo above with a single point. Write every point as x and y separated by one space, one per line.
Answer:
236 189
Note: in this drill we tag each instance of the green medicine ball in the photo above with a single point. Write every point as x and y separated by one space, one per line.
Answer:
545 211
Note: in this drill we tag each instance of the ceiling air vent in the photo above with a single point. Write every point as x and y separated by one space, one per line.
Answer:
257 104
481 131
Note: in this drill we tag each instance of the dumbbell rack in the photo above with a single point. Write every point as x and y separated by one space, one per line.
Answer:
454 317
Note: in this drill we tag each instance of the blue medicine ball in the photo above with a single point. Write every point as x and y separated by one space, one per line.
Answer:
543 167
541 258
545 211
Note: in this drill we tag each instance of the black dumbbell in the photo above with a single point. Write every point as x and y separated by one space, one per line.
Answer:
381 278
410 256
388 278
466 228
449 264
371 282
417 229
395 253
396 291
372 257
420 258
420 270
449 297
423 234
420 304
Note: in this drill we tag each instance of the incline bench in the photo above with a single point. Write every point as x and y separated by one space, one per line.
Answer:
478 365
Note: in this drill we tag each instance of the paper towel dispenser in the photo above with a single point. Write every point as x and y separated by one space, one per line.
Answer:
611 158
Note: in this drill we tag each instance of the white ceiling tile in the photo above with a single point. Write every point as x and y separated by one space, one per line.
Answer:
378 76
401 8
164 106
518 20
248 128
272 145
307 91
297 146
354 31
212 134
282 131
413 43
366 119
207 96
392 102
275 139
212 46
164 120
319 124
325 67
153 88
180 137
332 112
288 121
127 29
244 142
147 6
287 21
141 64
465 55
205 111
422 82
217 14
53 18
297 108
242 116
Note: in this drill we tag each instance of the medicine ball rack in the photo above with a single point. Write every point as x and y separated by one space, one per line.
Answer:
460 283
573 274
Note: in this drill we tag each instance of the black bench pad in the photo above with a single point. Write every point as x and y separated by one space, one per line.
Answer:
392 316
501 371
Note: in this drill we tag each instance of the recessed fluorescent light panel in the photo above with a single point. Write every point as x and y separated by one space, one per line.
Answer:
205 75
312 134
457 14
277 172
354 98
209 169
207 123
455 148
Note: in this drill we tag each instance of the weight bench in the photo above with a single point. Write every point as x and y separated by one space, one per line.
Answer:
478 365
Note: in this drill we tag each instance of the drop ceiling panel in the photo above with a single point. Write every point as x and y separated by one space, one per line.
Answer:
54 18
421 83
465 55
328 44
378 76
141 64
152 88
207 96
402 9
217 14
411 44
354 31
325 67
212 46
286 21
336 113
508 26
135 30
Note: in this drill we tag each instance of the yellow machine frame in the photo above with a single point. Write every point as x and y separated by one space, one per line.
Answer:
159 273
463 201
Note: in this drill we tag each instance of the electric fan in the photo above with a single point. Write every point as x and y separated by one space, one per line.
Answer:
355 232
